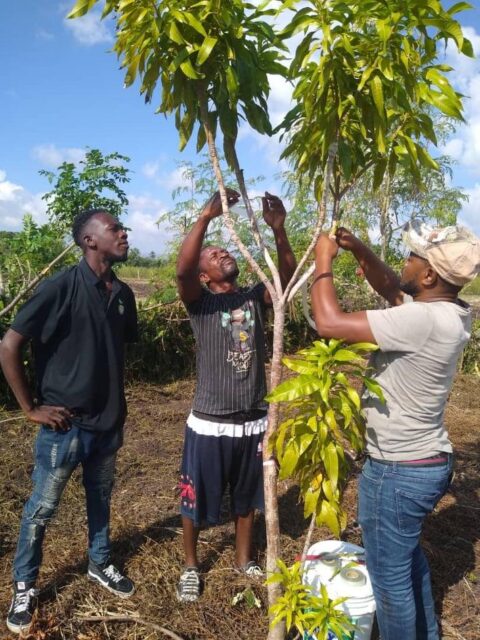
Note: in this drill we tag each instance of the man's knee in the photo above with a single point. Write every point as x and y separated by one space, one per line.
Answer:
39 513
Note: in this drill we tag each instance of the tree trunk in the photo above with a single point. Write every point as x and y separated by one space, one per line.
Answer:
270 472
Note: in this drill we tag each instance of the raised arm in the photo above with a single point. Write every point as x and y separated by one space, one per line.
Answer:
11 361
330 320
274 214
383 279
188 283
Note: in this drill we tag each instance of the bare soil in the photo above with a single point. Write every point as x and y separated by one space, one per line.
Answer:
145 529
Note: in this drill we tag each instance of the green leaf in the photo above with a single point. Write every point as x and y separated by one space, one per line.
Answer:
467 48
346 355
426 159
175 34
294 388
232 82
80 8
459 6
193 22
189 71
310 501
374 388
206 49
354 397
378 173
364 346
201 138
289 462
300 366
328 516
330 460
377 94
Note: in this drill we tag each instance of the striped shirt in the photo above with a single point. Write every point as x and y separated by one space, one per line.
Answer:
230 353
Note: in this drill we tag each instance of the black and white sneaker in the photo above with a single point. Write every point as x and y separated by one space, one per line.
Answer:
111 578
22 608
189 585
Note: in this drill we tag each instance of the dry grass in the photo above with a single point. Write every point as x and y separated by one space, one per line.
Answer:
146 526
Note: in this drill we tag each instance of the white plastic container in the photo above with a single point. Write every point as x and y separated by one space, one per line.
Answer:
328 566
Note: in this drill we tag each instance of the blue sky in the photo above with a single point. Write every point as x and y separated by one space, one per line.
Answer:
61 91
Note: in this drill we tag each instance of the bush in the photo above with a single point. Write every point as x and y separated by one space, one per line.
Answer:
166 347
471 355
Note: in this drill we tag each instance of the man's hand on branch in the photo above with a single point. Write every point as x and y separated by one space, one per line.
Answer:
346 240
213 208
274 212
326 247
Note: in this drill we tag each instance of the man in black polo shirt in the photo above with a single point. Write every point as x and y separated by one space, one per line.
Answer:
225 430
78 322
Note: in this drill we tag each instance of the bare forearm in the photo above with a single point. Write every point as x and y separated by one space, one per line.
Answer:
326 310
13 368
287 262
189 254
381 277
330 320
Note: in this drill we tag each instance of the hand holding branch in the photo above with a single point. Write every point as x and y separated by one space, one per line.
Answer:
213 208
326 247
274 212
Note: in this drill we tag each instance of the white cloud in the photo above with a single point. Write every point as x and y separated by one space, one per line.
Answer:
43 34
470 213
8 190
464 146
280 100
144 234
53 156
15 202
151 169
144 211
90 29
172 180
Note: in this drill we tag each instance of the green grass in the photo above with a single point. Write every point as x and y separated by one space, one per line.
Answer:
139 273
473 288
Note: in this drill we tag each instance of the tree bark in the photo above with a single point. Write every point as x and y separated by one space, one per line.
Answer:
270 471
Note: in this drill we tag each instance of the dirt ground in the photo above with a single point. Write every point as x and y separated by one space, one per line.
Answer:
146 540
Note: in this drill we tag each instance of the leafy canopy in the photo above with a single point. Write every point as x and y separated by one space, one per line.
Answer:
223 50
367 77
94 183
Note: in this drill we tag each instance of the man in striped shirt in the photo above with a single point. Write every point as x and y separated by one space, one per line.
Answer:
224 432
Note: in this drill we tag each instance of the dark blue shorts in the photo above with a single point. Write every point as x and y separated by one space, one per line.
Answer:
217 455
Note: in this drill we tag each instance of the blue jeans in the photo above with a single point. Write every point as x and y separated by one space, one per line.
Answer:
57 454
393 502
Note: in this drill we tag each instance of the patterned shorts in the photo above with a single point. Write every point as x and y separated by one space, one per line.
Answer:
217 455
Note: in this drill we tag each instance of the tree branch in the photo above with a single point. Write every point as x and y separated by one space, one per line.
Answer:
132 619
202 97
322 214
35 281
251 216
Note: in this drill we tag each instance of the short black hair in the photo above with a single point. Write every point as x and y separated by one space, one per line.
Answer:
80 221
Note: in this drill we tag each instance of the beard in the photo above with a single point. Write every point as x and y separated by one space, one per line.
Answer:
230 270
409 287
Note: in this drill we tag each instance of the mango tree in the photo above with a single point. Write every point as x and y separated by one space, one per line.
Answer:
365 74
368 80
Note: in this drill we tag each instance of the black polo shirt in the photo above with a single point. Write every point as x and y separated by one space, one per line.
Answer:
78 335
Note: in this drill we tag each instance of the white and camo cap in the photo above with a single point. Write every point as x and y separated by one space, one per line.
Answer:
454 252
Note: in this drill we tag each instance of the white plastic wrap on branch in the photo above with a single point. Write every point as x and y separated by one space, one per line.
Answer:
306 308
